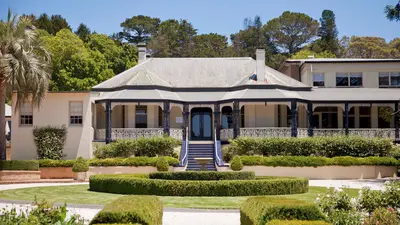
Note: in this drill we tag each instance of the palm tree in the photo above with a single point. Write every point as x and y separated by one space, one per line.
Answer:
24 67
393 12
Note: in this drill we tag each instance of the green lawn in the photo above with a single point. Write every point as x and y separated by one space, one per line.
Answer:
79 194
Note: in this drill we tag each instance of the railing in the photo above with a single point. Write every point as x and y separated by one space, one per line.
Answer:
176 133
362 132
266 132
217 150
302 132
328 132
183 161
129 133
226 134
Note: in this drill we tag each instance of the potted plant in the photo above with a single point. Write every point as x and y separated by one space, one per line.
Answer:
80 168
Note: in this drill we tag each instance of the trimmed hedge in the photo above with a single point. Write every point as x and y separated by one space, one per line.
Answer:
260 210
31 165
128 184
312 146
134 161
296 222
311 161
203 175
146 210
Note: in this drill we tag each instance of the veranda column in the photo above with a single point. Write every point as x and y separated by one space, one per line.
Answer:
108 122
310 119
236 120
294 117
396 121
346 118
166 122
217 120
185 115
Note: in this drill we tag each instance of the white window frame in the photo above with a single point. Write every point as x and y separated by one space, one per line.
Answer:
390 79
349 79
323 75
26 110
75 113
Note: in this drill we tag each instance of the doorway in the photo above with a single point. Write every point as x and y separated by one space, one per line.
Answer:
201 124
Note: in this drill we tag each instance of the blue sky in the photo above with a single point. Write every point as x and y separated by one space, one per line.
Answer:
354 17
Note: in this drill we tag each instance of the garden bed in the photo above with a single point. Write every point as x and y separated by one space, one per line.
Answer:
19 175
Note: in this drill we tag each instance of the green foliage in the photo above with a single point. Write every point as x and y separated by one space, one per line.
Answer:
55 163
328 33
209 45
296 222
299 30
154 146
50 141
43 214
236 164
83 32
315 161
392 12
134 161
203 175
370 47
131 209
19 165
162 164
51 24
305 53
313 146
128 184
260 210
80 165
383 216
139 28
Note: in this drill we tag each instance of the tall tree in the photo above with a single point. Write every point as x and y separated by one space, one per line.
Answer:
370 47
305 53
328 33
291 31
209 45
393 12
51 24
139 28
83 32
24 67
173 39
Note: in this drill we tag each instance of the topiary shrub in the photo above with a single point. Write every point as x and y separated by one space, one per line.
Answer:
19 165
80 165
236 164
203 175
162 164
131 210
49 141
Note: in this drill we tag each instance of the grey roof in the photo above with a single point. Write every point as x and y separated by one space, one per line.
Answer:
196 72
339 60
351 94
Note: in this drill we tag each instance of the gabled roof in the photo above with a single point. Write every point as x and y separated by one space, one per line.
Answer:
196 73
340 60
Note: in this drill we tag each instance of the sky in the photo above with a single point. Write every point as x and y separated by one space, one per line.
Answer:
353 17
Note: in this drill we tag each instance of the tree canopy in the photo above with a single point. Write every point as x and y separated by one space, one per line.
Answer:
83 32
392 12
139 28
328 33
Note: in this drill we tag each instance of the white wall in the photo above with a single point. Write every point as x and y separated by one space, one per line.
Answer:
54 111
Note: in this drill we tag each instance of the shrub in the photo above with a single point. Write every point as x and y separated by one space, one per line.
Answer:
162 164
313 146
259 210
80 165
296 222
131 209
236 164
203 175
55 163
50 141
19 165
154 146
385 216
43 214
135 161
314 161
125 184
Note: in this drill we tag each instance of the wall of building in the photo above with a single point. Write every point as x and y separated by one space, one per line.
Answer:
54 111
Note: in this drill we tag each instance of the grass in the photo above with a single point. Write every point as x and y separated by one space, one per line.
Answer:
79 194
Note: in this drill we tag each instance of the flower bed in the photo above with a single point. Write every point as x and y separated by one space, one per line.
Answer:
139 185
131 209
296 222
261 210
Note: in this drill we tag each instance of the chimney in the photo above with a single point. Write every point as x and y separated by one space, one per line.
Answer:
260 64
142 52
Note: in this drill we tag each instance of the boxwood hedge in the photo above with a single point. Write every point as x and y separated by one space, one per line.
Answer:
314 161
296 222
260 210
313 146
131 209
19 165
203 175
131 184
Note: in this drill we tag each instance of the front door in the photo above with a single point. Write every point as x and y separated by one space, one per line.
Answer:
201 124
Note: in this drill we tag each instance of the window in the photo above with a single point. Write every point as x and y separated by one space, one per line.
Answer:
227 119
26 114
160 117
328 116
389 79
351 118
385 116
141 116
242 116
318 80
349 79
75 113
365 117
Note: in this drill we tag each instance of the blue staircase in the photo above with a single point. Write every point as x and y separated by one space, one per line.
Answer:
200 150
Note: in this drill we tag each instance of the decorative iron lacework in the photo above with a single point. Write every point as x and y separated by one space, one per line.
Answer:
266 132
328 132
176 133
130 133
383 133
226 134
302 132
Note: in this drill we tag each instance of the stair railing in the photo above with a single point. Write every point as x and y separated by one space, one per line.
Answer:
217 149
184 158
